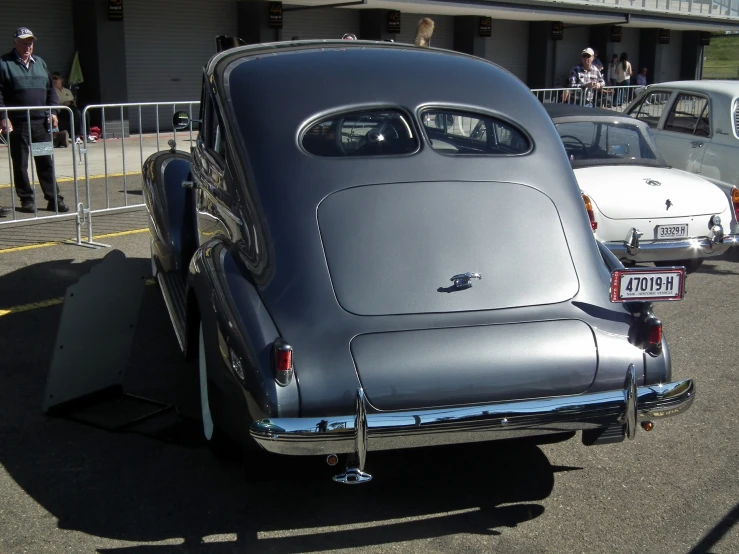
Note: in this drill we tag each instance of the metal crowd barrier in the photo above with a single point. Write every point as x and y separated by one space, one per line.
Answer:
609 97
37 149
152 123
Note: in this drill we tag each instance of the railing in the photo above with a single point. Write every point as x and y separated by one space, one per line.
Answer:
615 98
708 8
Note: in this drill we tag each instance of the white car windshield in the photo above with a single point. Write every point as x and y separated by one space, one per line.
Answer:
610 142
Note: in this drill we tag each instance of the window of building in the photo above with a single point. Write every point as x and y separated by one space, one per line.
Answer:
461 133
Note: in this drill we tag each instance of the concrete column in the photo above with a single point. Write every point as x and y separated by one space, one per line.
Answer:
542 55
102 53
691 60
467 37
253 22
373 25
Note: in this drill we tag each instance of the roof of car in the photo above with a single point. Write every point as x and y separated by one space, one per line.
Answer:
727 87
557 111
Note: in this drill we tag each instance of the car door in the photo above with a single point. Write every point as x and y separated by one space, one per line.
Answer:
685 131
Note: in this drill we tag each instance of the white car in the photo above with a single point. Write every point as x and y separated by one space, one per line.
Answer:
642 209
696 127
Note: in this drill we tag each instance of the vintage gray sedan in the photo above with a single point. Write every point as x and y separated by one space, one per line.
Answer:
375 246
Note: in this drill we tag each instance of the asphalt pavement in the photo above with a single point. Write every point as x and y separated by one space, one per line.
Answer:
69 487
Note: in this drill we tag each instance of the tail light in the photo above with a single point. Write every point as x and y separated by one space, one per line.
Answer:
589 209
282 362
654 335
735 201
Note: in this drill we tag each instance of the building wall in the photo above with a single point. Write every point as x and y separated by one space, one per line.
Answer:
51 22
668 59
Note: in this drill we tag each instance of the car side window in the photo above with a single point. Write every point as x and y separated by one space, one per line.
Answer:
651 107
689 115
214 138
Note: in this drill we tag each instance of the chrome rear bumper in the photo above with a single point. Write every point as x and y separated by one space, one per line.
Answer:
361 432
635 250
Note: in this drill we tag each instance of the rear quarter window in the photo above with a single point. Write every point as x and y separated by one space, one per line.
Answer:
462 133
361 133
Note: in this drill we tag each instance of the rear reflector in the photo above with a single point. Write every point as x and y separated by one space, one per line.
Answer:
648 285
735 201
284 360
589 209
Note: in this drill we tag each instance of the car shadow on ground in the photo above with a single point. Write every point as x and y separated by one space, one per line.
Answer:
136 488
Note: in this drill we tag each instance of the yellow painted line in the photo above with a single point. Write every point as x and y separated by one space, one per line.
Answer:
43 304
82 177
57 242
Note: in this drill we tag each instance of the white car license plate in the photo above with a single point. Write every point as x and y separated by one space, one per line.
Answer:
672 231
655 285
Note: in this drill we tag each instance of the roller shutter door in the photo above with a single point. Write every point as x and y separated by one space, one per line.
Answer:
509 46
322 23
167 44
443 36
50 20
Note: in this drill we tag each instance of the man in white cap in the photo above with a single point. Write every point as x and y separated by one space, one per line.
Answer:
25 81
587 77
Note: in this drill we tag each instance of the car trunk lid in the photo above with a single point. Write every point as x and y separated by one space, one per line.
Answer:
641 192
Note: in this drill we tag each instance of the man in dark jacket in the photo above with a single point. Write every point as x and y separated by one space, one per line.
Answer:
25 81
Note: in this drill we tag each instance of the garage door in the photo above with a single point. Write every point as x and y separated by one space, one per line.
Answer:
321 23
167 44
443 36
509 46
51 22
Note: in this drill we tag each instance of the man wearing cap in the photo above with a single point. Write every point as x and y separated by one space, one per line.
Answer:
587 77
25 81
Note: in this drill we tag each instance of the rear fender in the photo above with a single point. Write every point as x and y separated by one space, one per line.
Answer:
239 333
171 210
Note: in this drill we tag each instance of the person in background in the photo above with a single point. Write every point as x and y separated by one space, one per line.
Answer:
641 79
596 61
25 81
612 70
587 77
623 78
66 98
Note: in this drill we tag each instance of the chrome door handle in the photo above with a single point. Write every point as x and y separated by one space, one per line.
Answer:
462 281
697 144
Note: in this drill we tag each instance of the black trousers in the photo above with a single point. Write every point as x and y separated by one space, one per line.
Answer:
20 149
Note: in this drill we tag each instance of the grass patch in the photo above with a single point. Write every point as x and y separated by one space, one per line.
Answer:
722 57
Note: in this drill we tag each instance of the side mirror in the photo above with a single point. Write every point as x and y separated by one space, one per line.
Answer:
181 121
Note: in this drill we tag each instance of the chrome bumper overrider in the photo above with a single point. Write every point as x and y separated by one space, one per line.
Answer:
361 432
636 250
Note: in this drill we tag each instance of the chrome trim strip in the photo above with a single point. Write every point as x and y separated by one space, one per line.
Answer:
416 428
630 415
670 250
170 308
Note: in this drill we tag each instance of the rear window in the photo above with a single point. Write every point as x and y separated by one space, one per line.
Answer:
462 133
365 133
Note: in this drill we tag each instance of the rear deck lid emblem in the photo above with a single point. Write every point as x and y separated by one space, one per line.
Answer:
652 182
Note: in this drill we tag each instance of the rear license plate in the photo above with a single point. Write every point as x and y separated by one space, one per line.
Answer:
672 231
645 285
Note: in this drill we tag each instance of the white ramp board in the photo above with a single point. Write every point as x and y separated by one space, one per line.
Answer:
96 330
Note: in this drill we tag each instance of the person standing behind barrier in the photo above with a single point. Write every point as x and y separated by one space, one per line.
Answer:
25 81
612 70
623 76
66 98
587 77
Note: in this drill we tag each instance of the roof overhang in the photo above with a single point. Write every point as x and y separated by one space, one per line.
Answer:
570 13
